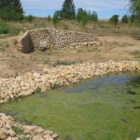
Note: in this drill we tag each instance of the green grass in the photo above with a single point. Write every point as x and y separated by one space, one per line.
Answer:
17 130
58 62
6 30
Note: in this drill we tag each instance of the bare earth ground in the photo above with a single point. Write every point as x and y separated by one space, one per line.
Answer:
113 48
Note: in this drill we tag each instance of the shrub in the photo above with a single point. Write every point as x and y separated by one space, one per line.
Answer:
30 18
84 20
114 19
55 19
4 28
125 19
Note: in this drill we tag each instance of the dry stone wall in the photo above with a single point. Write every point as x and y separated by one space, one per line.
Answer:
43 39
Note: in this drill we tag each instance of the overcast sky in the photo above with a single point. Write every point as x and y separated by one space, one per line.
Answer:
104 8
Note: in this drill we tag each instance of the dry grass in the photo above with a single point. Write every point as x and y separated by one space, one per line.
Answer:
101 28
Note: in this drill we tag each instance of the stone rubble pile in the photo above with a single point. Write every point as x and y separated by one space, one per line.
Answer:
48 78
11 130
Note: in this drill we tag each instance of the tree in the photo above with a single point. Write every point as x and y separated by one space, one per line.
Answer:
79 14
94 16
11 10
55 18
68 10
84 20
135 9
125 19
114 19
90 15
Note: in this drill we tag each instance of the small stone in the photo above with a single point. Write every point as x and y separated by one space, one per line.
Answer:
47 137
48 132
37 75
3 134
37 137
54 136
39 130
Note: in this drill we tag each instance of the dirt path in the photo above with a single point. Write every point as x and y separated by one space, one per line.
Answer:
113 48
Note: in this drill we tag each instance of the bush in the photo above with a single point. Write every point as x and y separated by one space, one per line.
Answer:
30 18
4 28
125 19
84 20
55 19
114 19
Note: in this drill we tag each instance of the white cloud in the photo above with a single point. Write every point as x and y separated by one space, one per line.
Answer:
98 5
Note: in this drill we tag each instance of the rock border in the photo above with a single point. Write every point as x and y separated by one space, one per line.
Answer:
50 78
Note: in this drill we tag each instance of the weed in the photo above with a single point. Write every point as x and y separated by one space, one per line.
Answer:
49 52
4 28
17 130
136 53
63 63
46 60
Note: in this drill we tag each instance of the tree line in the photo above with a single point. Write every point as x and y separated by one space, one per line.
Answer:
12 10
69 12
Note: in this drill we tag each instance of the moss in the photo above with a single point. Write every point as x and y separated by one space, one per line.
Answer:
99 108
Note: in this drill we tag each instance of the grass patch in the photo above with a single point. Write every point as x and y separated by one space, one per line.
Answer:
58 62
17 130
8 30
46 60
136 53
4 28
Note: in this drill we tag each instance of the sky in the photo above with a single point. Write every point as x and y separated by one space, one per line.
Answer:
104 8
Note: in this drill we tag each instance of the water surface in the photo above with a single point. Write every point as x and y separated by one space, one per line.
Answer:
103 108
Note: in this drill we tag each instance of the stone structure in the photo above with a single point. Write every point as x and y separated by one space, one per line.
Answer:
43 39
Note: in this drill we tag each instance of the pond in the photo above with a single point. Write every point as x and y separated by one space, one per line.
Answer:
102 108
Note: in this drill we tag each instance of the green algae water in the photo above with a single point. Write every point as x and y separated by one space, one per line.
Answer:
102 108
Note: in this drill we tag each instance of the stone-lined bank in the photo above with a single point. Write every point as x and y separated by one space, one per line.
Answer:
49 78
43 39
12 130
